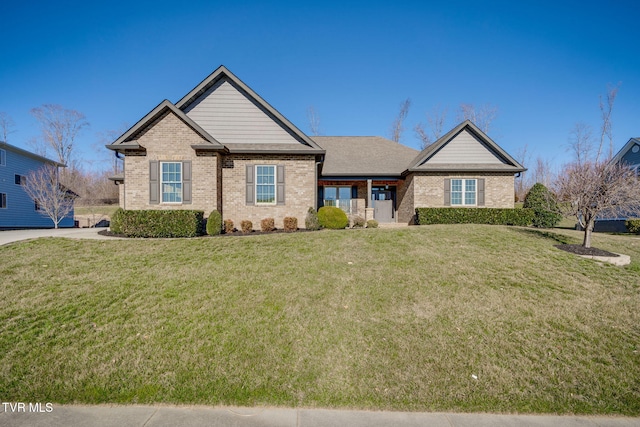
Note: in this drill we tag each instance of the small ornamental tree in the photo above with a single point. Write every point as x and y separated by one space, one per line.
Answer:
545 207
52 198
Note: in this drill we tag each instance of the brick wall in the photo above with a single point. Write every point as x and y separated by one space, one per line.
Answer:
300 187
428 188
170 139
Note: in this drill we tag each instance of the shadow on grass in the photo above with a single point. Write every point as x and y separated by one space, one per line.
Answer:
545 234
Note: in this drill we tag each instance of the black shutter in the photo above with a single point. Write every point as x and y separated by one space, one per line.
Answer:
154 182
354 191
480 184
447 192
186 182
280 185
320 197
250 197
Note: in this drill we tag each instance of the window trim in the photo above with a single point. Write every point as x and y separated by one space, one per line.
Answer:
274 184
3 200
3 157
162 182
463 192
21 181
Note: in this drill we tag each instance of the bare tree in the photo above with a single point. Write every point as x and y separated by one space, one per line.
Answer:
523 182
60 128
6 126
52 198
543 172
581 142
314 121
397 127
436 120
592 188
481 116
605 112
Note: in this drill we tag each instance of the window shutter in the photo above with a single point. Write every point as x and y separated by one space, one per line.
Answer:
154 182
186 182
320 197
480 183
354 191
447 192
280 185
250 197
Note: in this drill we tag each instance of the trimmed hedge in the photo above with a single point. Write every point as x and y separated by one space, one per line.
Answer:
290 223
332 217
157 223
372 223
494 216
214 223
267 224
633 225
115 222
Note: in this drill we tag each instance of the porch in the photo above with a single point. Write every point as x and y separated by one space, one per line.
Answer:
365 197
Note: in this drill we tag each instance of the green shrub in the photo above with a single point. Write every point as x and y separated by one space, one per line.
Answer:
311 222
372 223
357 222
267 224
228 226
332 217
545 207
115 222
246 226
522 217
633 225
157 223
214 223
290 223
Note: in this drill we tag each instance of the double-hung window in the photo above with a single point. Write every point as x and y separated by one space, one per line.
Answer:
463 192
20 179
171 184
3 200
3 157
266 185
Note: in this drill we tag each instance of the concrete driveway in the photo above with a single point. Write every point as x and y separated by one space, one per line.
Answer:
10 236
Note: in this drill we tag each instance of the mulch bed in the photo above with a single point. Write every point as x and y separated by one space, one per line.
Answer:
581 250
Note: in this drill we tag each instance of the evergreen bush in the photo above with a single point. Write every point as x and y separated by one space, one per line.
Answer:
545 207
311 221
332 217
214 223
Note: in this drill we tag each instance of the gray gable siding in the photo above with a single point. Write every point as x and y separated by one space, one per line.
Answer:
630 157
230 116
20 211
465 148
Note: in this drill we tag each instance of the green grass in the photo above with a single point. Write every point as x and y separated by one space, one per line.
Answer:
394 319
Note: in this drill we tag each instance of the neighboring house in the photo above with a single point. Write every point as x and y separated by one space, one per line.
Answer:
629 155
17 210
222 147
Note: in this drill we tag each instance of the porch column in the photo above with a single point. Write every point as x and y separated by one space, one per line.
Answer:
368 212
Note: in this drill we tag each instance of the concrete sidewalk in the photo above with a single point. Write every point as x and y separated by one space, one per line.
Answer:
11 236
196 416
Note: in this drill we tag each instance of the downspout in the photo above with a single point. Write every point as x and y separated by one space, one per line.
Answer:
315 188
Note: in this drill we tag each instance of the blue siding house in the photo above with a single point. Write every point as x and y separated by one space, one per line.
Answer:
17 210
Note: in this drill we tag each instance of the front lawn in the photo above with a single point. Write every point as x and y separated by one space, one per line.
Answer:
430 318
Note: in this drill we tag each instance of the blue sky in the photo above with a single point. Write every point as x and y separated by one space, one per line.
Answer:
542 64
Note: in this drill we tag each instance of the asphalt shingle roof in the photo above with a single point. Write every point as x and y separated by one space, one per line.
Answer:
364 155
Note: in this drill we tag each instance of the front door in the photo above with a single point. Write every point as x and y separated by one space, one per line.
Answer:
382 204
